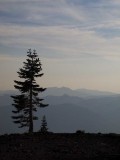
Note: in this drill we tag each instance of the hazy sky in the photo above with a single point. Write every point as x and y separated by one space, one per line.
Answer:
78 41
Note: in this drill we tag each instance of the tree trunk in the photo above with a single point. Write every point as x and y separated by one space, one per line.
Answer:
30 113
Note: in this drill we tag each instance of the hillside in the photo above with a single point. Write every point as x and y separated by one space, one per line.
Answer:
60 146
69 113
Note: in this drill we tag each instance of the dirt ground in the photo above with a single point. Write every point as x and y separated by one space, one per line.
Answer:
59 146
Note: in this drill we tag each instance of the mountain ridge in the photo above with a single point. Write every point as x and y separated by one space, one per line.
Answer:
83 93
58 91
88 113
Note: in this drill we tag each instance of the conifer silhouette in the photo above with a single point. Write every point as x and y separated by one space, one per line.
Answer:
44 128
27 102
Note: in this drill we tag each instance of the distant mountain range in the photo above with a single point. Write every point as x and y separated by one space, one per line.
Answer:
69 110
83 93
55 91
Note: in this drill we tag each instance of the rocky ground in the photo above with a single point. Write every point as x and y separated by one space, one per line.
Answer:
59 146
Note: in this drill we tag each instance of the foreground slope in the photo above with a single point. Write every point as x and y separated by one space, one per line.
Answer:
59 146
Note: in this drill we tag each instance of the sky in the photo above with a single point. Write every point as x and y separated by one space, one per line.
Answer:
78 42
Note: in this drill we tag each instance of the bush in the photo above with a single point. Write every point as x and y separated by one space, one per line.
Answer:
80 132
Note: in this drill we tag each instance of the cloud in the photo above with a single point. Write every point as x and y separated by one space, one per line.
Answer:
77 40
7 58
44 13
60 41
84 13
65 28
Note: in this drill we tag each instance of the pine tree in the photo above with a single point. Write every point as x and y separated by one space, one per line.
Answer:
27 102
44 128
